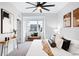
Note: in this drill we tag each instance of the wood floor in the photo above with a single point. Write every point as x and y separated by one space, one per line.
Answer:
22 49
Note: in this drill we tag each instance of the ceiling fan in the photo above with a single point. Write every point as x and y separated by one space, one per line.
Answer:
39 6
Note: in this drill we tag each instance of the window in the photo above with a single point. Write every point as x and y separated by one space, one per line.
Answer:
35 26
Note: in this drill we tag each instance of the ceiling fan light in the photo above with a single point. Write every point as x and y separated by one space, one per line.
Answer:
38 8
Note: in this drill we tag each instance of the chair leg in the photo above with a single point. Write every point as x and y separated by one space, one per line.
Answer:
2 50
7 50
17 45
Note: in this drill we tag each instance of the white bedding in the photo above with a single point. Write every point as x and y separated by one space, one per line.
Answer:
36 50
60 52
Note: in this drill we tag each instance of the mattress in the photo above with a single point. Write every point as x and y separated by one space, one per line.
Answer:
36 49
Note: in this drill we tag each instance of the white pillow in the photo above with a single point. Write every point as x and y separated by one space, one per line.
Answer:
58 41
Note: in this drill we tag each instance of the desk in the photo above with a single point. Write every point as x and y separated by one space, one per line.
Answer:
3 43
31 38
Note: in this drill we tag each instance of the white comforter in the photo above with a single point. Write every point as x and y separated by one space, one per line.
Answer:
36 50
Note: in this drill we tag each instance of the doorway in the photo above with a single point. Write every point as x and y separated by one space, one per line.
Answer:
33 28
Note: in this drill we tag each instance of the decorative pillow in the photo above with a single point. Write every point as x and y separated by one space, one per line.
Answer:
52 43
58 41
46 48
53 37
66 44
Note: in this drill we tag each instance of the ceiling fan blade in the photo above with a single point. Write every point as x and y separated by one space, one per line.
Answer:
40 11
46 9
30 7
49 5
31 3
44 3
38 3
34 10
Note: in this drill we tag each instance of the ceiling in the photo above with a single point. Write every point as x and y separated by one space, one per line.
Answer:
21 6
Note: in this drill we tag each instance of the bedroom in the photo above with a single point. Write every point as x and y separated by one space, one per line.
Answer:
51 23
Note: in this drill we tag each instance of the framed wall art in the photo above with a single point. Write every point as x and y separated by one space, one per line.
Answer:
67 20
76 18
6 21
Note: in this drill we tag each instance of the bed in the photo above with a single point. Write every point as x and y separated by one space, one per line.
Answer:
36 49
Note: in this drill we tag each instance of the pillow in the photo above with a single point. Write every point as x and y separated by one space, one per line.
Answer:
46 48
53 37
66 44
52 43
58 41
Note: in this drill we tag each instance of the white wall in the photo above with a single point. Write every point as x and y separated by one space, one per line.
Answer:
70 33
50 22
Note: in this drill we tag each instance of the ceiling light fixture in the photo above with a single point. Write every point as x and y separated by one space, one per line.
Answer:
38 8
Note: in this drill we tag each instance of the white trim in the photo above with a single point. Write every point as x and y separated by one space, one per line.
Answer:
71 19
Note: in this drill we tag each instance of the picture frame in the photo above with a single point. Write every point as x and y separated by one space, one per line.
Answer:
76 17
7 21
67 20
